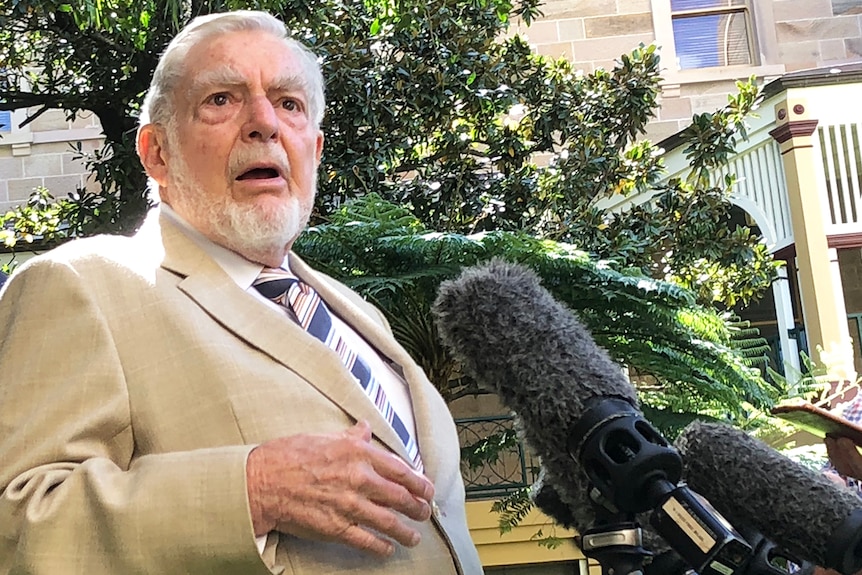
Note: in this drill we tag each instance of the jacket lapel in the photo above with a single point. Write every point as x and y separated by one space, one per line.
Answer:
209 286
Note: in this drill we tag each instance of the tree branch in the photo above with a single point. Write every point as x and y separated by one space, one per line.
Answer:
17 100
33 117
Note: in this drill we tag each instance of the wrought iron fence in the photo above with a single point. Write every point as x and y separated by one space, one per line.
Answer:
507 464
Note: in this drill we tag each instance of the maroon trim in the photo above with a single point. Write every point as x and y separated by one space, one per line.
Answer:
793 129
843 241
787 253
837 241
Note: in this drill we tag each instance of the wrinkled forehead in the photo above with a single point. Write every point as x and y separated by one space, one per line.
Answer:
228 76
243 59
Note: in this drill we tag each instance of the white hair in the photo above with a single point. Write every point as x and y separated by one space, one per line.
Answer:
158 106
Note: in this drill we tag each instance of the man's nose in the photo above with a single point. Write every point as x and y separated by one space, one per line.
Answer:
262 123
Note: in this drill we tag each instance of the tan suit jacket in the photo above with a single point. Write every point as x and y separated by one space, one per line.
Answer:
135 377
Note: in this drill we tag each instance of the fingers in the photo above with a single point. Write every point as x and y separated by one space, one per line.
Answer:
339 487
845 456
390 483
415 501
351 528
835 478
364 540
380 520
358 508
395 470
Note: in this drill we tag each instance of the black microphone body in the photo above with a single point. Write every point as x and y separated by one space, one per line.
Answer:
587 513
608 537
768 558
802 511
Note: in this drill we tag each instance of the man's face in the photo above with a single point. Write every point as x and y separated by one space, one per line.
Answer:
241 157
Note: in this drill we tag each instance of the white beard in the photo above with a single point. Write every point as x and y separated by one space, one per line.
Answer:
256 232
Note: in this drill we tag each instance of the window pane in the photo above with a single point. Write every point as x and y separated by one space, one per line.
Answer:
5 121
677 5
711 40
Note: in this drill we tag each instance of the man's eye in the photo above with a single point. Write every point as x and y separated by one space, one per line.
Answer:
219 99
291 105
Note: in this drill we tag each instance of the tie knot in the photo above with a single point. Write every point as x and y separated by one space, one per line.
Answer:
275 283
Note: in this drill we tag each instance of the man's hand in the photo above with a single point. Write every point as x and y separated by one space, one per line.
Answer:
822 571
336 487
844 456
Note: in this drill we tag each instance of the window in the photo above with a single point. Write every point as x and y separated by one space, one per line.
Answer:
712 33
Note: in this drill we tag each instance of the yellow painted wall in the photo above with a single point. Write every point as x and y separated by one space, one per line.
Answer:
519 546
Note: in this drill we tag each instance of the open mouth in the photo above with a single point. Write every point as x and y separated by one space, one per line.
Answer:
259 174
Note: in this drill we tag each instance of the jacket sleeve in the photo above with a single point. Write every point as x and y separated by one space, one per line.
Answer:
75 498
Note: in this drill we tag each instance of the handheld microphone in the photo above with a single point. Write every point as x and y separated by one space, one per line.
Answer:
576 408
801 510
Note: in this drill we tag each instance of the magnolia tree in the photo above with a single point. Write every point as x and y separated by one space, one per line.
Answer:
431 105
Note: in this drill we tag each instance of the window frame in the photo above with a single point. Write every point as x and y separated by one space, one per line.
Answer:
6 130
760 23
744 8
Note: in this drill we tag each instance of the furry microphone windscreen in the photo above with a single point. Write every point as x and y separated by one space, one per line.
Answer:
566 499
748 482
514 338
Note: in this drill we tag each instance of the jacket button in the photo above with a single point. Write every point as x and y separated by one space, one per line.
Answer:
435 510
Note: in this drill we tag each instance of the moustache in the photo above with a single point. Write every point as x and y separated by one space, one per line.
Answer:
243 159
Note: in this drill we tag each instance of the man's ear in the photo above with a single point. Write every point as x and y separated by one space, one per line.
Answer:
318 152
153 153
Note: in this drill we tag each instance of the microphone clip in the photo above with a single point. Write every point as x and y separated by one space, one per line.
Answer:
617 547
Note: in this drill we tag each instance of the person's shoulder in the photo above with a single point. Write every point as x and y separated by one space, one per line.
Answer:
99 256
107 249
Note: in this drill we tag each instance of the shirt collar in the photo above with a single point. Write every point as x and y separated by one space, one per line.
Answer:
240 270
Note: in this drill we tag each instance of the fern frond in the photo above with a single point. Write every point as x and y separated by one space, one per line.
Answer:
512 509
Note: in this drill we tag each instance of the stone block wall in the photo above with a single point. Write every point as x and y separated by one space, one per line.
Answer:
815 33
791 35
44 153
590 33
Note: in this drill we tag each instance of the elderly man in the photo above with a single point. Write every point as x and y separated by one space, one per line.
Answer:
195 399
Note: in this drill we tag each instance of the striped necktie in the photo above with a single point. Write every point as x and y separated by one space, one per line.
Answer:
314 317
